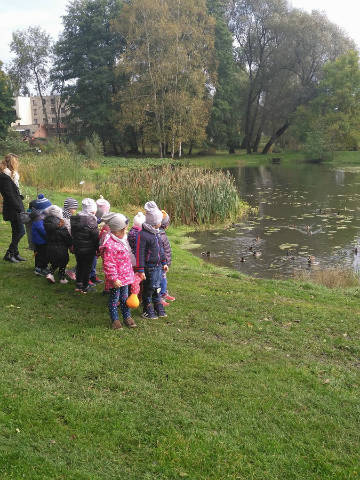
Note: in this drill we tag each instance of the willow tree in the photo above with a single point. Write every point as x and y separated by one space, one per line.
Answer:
168 61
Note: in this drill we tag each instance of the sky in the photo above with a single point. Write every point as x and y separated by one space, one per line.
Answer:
20 14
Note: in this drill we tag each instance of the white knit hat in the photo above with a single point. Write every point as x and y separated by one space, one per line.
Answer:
89 205
153 214
139 219
103 206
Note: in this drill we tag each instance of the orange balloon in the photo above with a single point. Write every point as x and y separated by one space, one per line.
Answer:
133 301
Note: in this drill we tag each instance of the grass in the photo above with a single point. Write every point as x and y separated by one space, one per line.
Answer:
330 277
246 379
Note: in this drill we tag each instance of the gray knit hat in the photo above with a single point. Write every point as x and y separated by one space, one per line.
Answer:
153 214
71 204
116 221
89 205
54 211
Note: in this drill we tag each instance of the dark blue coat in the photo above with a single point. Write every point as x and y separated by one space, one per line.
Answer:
149 250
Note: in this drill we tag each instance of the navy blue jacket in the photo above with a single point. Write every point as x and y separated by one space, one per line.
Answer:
149 250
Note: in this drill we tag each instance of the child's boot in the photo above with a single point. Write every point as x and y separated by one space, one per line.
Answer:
149 312
129 322
160 310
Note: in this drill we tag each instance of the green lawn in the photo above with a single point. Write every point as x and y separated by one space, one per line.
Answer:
246 379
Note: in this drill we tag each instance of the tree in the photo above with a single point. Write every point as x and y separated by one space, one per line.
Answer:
7 110
85 59
224 125
335 111
168 63
30 67
282 51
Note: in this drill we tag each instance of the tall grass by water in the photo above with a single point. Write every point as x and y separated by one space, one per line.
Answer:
190 195
59 170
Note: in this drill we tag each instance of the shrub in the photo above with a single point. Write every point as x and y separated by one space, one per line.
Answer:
93 147
14 143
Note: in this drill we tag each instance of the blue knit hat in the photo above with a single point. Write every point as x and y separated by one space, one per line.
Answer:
42 203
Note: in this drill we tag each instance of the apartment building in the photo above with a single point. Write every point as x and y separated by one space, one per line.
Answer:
55 110
30 115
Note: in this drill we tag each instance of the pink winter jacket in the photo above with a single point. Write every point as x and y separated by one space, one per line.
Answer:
116 262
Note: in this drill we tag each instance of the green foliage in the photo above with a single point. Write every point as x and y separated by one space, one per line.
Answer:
14 143
93 147
85 58
7 111
335 111
225 120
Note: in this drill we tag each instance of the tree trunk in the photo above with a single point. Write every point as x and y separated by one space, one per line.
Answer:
257 140
275 136
190 149
180 149
231 149
243 144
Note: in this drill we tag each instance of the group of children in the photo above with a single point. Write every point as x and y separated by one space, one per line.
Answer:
132 263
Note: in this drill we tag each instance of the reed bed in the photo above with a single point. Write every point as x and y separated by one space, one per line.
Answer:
58 171
190 195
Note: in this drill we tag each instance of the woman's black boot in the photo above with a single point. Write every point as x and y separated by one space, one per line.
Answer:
9 257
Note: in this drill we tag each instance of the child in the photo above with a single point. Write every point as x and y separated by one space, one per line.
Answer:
38 235
27 219
70 207
103 207
58 243
85 234
115 252
139 219
151 261
164 294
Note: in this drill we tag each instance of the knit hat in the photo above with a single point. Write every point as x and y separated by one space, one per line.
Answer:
89 205
139 219
71 204
42 203
54 211
166 219
153 214
116 221
103 207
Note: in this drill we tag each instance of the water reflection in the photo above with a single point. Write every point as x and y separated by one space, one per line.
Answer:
307 218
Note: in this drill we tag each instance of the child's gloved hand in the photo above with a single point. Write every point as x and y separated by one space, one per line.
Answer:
142 276
117 284
165 268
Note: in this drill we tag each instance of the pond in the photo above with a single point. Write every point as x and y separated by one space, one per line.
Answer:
308 217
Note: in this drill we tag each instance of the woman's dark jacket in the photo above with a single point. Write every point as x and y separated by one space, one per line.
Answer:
58 241
85 234
12 204
149 250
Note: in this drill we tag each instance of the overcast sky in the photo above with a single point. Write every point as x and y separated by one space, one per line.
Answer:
19 14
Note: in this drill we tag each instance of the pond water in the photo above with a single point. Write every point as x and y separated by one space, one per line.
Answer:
308 217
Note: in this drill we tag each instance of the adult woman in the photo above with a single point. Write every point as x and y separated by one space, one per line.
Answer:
12 204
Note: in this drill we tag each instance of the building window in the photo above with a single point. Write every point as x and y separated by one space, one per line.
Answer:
34 102
35 121
53 101
53 110
44 101
53 120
